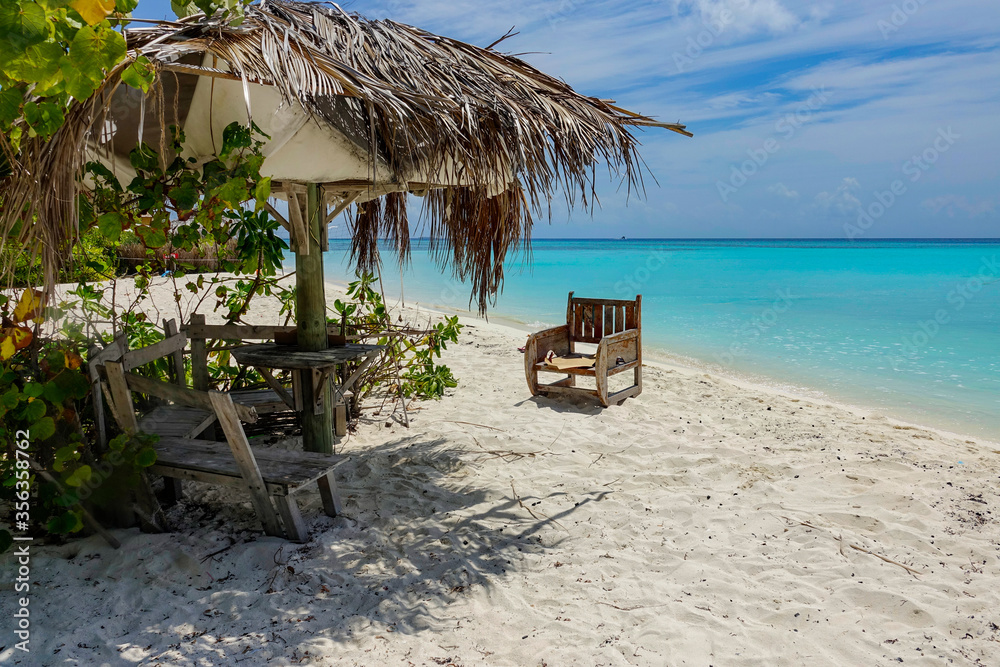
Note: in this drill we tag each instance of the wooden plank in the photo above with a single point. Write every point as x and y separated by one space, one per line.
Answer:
240 447
170 329
598 320
630 317
320 388
530 359
95 357
235 331
277 388
121 397
199 355
565 391
299 233
601 374
620 396
294 357
329 495
340 420
182 395
295 527
221 479
282 470
569 311
349 382
626 349
602 302
297 390
541 366
144 355
182 422
578 322
615 370
620 319
277 216
350 199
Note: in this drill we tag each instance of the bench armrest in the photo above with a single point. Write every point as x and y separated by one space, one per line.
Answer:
628 334
539 344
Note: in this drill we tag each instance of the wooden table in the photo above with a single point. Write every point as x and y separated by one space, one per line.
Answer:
315 367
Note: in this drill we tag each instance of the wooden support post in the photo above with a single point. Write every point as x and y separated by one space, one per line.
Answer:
177 358
199 356
317 429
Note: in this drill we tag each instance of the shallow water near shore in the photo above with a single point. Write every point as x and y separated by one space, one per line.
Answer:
909 328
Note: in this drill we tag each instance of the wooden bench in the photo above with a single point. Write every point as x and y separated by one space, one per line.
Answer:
614 325
272 478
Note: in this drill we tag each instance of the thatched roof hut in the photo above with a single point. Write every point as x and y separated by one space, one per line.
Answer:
368 109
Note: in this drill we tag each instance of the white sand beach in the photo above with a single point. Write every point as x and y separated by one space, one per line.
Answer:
701 523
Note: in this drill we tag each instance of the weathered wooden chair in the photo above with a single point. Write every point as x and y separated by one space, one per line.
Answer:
269 476
613 325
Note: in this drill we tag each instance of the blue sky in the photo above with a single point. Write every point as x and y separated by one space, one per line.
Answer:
812 119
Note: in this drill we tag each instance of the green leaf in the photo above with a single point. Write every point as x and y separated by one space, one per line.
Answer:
183 9
54 393
63 456
145 457
144 158
263 189
234 137
153 238
37 63
10 398
43 429
10 104
68 522
185 194
234 192
34 411
22 24
33 389
111 224
95 49
6 540
139 74
79 477
44 118
79 84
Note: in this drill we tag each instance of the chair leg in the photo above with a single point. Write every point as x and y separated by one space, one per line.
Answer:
288 509
173 491
331 498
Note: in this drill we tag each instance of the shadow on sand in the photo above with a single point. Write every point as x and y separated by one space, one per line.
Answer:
417 534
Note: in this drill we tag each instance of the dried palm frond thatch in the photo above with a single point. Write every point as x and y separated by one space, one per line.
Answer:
486 137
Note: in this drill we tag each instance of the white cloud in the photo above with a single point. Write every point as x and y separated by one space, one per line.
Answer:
843 200
952 204
747 16
781 190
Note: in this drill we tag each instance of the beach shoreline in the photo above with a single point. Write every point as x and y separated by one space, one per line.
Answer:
701 522
658 358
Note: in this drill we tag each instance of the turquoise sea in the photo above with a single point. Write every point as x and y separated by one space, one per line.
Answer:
910 328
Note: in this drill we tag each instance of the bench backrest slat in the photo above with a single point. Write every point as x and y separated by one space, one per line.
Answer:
590 320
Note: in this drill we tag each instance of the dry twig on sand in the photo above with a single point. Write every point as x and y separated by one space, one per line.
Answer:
507 455
529 510
909 569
